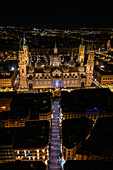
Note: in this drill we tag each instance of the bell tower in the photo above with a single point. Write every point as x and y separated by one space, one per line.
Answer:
81 51
22 68
55 49
25 49
90 66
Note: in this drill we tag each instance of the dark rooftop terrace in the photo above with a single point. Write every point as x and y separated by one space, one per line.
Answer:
75 131
101 138
83 99
40 102
33 135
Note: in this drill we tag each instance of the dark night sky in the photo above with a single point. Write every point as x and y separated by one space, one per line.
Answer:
56 13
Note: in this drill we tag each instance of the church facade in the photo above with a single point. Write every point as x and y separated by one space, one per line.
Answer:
55 73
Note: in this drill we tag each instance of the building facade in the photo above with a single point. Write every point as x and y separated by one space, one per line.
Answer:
57 73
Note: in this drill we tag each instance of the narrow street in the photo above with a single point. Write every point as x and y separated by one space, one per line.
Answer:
55 139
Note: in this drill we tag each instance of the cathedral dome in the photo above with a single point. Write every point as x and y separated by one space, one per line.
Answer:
72 62
47 69
65 68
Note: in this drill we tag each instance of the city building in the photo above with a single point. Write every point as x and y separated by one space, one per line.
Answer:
89 103
6 146
5 100
103 76
29 143
87 141
6 80
74 133
24 107
99 144
57 73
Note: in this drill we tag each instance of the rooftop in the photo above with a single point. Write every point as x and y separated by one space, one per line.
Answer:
75 131
40 103
13 115
104 71
6 75
33 135
100 140
84 99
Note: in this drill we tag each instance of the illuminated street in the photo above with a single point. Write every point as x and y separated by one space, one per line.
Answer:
55 139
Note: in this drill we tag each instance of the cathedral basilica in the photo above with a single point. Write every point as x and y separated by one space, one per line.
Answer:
56 74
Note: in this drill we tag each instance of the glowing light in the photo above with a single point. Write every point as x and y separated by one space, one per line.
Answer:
12 68
3 107
87 136
43 150
17 152
46 162
95 110
57 83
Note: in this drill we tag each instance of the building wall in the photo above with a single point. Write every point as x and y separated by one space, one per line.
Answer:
8 82
32 154
5 82
103 79
93 116
108 156
68 154
6 153
106 79
49 83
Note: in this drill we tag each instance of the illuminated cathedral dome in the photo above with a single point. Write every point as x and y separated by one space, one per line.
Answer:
72 63
47 69
55 59
65 67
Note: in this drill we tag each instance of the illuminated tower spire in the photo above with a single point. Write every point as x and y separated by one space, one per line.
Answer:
24 39
92 45
55 49
82 41
20 46
72 56
90 65
81 51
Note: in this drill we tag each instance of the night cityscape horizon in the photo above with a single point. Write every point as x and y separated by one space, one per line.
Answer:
56 85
